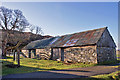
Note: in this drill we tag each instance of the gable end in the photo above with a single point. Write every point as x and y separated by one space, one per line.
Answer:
106 40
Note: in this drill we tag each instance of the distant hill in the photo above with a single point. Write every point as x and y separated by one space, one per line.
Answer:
26 37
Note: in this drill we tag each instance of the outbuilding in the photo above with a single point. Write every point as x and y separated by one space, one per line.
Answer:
92 46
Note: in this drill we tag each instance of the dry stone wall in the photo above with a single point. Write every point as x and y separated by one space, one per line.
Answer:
40 53
81 54
106 54
88 54
56 54
43 53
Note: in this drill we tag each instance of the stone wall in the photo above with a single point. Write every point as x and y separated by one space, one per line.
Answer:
81 54
84 54
40 53
26 52
56 53
73 54
43 53
106 54
106 48
106 40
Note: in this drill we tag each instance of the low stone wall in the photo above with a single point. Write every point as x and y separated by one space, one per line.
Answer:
106 54
81 54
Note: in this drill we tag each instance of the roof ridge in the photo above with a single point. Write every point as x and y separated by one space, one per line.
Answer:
43 39
85 31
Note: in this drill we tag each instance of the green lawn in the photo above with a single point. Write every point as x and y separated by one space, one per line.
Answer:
33 65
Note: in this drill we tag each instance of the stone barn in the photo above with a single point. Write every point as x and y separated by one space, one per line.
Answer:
93 46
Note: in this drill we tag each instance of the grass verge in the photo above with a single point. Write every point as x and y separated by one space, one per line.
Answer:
34 65
111 76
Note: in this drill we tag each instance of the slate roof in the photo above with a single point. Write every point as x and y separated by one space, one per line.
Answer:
39 43
79 39
89 37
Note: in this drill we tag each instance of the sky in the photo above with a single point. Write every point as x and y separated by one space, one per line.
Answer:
60 18
59 0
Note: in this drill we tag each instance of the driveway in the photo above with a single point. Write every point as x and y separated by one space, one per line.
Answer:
66 73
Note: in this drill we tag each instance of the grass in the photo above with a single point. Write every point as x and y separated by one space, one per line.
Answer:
118 55
34 65
111 76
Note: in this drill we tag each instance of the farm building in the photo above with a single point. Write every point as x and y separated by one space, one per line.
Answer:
93 46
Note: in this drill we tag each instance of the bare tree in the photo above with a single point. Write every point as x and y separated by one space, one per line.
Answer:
35 29
38 30
11 20
5 19
32 28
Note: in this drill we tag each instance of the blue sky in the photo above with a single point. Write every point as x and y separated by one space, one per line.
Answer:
69 17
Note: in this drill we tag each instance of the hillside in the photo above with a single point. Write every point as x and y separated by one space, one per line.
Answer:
16 36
